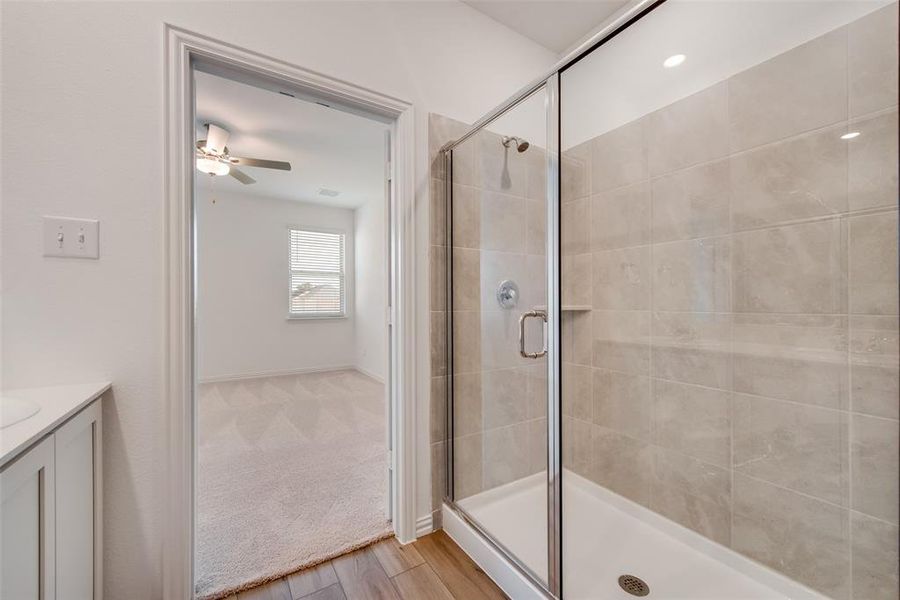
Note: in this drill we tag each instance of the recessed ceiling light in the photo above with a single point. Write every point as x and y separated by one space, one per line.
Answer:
674 60
850 136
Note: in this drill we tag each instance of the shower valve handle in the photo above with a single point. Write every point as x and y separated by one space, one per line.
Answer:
538 314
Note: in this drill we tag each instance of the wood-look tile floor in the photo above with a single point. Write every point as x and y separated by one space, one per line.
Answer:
431 568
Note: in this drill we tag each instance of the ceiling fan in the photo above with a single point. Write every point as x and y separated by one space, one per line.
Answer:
213 157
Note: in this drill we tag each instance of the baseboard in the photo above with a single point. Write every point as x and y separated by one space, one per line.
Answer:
368 373
277 373
424 525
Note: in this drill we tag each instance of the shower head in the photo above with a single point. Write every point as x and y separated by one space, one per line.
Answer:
521 145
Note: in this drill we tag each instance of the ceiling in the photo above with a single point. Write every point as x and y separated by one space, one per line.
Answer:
554 24
327 148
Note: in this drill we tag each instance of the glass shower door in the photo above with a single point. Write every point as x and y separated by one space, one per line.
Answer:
500 337
729 282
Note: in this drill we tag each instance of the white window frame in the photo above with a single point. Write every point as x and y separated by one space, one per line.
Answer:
345 281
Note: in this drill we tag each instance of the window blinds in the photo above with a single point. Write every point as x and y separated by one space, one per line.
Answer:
317 274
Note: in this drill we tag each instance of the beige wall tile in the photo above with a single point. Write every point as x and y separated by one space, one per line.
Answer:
500 339
791 269
438 344
690 131
502 222
438 473
621 340
693 420
873 260
437 214
504 399
692 203
790 180
802 537
802 89
872 46
466 342
467 465
621 279
537 446
693 275
621 464
693 493
575 227
467 397
441 130
873 162
438 277
801 358
536 226
874 358
505 454
619 157
875 558
620 218
575 280
803 448
874 466
576 446
536 161
574 173
466 217
622 402
692 348
466 279
536 376
438 409
577 337
576 392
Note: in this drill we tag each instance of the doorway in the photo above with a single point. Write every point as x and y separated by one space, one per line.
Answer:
189 53
291 405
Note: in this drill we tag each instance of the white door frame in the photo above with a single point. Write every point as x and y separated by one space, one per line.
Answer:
183 50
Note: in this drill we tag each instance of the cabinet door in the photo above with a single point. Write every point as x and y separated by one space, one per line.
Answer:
26 525
78 519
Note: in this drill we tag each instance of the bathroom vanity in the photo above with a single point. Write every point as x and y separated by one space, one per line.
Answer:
51 492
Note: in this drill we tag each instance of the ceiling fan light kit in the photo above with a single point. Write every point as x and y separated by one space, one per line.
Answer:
213 157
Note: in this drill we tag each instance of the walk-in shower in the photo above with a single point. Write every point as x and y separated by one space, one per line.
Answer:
671 363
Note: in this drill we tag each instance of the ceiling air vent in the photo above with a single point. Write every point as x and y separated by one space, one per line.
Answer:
328 193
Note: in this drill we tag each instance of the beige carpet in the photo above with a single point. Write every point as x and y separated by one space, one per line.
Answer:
291 472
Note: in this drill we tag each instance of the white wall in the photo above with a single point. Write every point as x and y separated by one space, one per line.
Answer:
87 78
370 350
242 303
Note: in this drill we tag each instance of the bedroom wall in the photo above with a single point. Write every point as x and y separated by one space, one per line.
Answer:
370 294
100 84
242 254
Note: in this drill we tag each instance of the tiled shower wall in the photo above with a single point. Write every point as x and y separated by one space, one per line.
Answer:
735 364
498 233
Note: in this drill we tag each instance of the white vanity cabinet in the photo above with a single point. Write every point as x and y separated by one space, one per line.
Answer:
50 516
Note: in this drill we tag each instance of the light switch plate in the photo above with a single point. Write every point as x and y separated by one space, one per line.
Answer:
71 238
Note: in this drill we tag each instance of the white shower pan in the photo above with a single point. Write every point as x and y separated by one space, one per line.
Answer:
605 536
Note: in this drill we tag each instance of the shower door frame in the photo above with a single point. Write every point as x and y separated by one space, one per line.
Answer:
618 22
553 585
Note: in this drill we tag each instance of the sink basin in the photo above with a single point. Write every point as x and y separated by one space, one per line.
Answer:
13 410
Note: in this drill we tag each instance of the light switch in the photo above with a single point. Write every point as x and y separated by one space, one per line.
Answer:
71 238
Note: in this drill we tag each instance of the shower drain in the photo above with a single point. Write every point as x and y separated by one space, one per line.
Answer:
633 585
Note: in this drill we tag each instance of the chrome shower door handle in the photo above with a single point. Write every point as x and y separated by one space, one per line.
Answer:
538 314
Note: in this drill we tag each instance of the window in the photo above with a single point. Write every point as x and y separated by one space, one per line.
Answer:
317 274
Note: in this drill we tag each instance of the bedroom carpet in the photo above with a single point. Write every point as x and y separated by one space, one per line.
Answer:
292 471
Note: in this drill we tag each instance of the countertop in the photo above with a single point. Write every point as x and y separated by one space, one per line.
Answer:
58 403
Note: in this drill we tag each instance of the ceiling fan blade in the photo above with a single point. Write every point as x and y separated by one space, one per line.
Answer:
258 162
216 138
241 176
